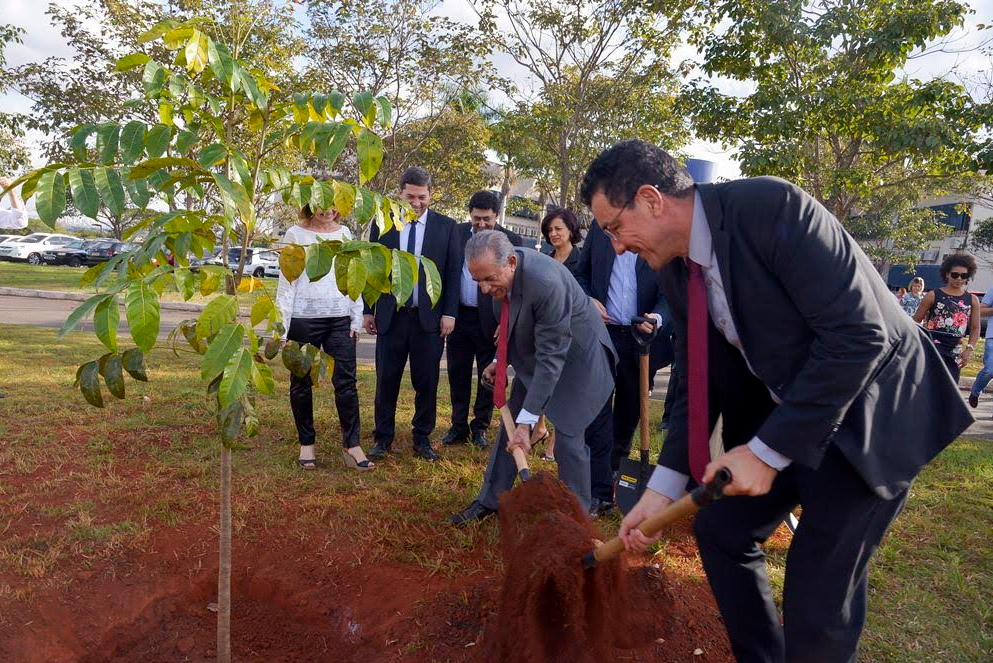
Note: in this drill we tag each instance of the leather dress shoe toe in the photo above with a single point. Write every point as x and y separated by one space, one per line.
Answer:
425 452
378 451
473 512
454 437
479 440
600 508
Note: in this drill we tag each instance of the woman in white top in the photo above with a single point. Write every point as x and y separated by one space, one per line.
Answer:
14 218
320 314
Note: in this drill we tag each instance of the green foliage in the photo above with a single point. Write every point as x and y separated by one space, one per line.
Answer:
830 112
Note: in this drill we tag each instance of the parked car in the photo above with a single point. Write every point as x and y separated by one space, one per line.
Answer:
257 261
8 238
72 254
104 250
31 247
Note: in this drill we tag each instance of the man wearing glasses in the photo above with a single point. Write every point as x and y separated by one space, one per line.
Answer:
788 333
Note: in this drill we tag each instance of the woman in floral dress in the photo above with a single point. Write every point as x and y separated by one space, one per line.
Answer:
950 312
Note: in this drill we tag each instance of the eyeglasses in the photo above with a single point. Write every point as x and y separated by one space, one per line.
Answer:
964 276
608 228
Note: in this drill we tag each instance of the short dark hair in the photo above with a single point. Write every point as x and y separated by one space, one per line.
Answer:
484 200
621 170
958 260
415 175
568 218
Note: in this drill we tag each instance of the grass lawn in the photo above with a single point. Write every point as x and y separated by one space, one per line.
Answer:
96 484
66 279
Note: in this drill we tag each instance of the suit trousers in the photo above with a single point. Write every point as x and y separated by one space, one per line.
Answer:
627 393
333 336
465 344
599 438
405 339
572 456
826 588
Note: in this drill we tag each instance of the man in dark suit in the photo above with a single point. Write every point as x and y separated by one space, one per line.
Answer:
622 287
562 358
473 334
786 331
416 329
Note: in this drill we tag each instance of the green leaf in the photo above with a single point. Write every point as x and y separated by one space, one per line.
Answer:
142 306
165 114
111 189
81 312
153 78
134 364
106 318
365 205
137 190
132 141
88 379
370 151
309 134
237 373
322 196
84 192
229 420
220 61
157 140
196 52
320 259
295 360
261 310
184 140
336 101
50 197
262 378
210 278
385 112
185 282
364 104
271 348
402 276
157 31
235 198
251 88
108 136
218 312
292 260
91 274
221 349
432 279
356 279
344 198
113 373
212 155
146 168
336 144
129 62
78 143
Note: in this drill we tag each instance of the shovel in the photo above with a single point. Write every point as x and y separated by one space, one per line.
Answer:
686 505
520 458
632 476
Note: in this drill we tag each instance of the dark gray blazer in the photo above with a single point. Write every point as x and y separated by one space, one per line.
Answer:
819 328
485 303
558 344
441 245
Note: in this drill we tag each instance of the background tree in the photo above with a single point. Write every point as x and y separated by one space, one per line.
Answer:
831 111
573 51
207 93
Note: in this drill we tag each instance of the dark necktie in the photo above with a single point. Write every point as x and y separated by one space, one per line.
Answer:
696 340
500 381
412 249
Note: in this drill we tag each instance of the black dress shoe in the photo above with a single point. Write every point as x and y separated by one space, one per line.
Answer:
378 451
425 452
479 439
600 507
473 512
454 437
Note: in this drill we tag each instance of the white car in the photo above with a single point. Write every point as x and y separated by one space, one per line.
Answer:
31 247
257 261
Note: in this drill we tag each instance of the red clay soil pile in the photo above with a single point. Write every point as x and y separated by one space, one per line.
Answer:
550 608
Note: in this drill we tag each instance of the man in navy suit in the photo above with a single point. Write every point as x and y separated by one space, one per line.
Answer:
473 338
622 287
416 329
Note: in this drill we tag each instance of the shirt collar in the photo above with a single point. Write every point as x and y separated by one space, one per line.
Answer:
701 241
423 218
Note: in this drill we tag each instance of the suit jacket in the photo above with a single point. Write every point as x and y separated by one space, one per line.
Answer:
558 345
822 331
596 261
440 245
485 302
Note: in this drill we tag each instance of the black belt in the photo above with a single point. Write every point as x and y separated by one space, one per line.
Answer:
407 309
623 328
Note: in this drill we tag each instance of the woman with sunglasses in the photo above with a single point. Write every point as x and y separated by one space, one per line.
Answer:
950 312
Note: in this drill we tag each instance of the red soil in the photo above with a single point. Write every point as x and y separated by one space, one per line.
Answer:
311 599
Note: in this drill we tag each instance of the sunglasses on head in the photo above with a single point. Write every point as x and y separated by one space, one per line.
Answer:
959 275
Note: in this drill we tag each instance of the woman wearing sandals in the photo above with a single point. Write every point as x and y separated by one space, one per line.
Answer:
318 313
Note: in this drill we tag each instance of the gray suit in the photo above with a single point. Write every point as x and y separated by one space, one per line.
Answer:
563 366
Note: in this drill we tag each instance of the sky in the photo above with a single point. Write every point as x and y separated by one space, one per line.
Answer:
43 40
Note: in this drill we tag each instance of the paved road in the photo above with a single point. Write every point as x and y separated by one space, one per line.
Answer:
52 313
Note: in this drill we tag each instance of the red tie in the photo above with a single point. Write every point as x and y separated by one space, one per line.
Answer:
500 382
696 338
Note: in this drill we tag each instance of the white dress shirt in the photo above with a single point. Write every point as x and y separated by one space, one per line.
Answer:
622 290
13 219
422 223
665 480
469 292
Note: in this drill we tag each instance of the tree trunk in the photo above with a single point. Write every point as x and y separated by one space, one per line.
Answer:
504 194
224 565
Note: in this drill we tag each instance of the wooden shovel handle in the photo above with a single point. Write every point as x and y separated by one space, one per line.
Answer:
520 458
644 404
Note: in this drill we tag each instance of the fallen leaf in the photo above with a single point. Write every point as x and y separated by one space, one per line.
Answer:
698 652
212 607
